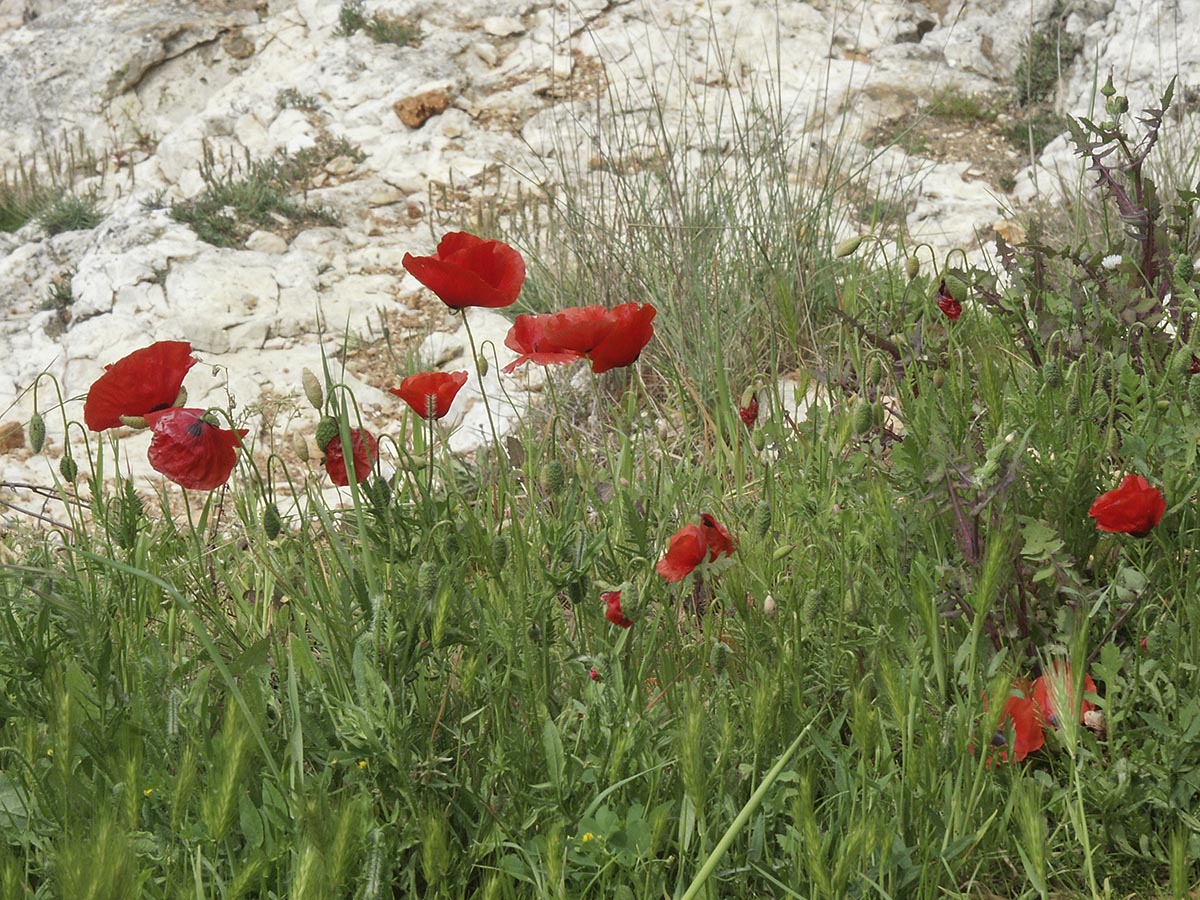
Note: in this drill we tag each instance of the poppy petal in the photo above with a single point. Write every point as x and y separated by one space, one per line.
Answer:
191 451
365 452
686 550
146 380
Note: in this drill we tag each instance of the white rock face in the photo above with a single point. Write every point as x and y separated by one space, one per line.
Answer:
538 92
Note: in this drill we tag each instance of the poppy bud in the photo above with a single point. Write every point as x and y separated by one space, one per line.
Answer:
1052 374
427 583
272 522
1194 393
327 430
500 550
593 674
1181 363
939 378
576 589
554 478
956 287
181 397
631 601
68 468
912 267
312 388
875 370
37 432
133 421
759 440
482 364
719 657
1185 267
1074 403
762 518
878 415
770 607
848 246
861 417
300 446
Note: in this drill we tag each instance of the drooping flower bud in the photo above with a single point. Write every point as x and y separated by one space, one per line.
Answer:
482 365
427 583
37 432
912 267
848 246
554 478
68 468
272 522
312 388
300 446
762 518
862 417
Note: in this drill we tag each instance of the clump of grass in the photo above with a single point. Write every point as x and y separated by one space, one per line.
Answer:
238 199
70 212
952 104
380 27
1045 53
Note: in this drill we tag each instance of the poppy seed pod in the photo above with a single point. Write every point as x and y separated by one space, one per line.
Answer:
327 430
37 432
312 388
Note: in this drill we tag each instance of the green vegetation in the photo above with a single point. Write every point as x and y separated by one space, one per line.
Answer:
43 189
419 695
379 27
238 199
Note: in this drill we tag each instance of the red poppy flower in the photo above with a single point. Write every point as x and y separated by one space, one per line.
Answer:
144 381
720 542
468 271
630 329
528 337
1133 508
1022 719
191 451
688 547
1045 689
614 613
947 304
430 394
749 412
365 454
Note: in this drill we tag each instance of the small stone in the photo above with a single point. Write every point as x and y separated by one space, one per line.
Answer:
238 46
502 26
12 436
385 196
266 242
340 165
485 52
416 110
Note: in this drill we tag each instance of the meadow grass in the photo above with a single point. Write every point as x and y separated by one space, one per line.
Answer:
419 695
